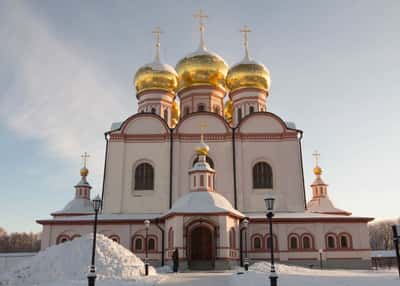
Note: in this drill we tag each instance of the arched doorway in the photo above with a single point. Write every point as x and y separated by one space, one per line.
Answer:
201 248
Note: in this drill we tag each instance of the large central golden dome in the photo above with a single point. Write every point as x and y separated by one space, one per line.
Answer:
201 68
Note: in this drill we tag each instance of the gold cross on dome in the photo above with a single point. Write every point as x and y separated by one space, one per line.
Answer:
245 30
85 157
316 156
157 31
203 126
200 16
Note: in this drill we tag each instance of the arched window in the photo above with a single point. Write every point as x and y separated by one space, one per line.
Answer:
75 236
239 114
208 159
331 242
306 241
294 242
166 115
151 244
171 238
144 177
201 107
62 238
345 241
262 176
257 243
137 244
251 109
153 110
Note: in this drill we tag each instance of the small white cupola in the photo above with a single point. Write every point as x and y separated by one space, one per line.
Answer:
202 176
80 204
320 202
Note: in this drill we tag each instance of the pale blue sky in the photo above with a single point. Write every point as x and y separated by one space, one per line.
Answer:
66 71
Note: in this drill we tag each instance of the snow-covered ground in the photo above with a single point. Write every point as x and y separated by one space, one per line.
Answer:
295 276
67 265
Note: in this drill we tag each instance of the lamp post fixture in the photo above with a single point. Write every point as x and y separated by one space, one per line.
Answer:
146 262
269 203
246 259
320 251
92 272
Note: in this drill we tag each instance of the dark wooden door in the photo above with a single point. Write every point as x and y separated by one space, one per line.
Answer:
201 244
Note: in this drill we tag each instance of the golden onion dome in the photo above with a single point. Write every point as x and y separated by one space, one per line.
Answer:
248 73
317 171
202 68
202 149
84 172
156 75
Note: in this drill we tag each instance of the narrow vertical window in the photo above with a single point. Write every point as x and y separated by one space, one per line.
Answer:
239 114
262 176
251 109
144 177
201 180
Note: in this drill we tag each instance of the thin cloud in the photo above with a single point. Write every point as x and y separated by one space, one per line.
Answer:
53 93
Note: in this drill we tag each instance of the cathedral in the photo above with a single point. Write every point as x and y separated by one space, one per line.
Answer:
196 161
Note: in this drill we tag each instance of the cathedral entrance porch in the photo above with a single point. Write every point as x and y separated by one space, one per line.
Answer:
201 246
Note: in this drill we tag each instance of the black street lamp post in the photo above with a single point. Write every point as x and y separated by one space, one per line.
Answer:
269 203
246 259
146 262
320 258
92 272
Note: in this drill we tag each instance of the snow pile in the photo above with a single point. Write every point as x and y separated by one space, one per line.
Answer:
295 275
69 261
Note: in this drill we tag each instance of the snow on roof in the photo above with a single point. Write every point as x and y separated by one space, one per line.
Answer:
108 217
203 202
69 261
115 125
290 124
323 205
78 206
297 215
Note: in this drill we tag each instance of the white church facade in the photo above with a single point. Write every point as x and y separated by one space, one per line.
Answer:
197 159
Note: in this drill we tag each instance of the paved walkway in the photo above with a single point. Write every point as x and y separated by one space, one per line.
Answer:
197 279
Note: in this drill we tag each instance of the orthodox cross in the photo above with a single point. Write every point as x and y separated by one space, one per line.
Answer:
245 30
203 127
316 156
85 157
201 16
157 31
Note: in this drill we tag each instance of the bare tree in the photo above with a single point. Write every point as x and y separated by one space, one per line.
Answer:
381 234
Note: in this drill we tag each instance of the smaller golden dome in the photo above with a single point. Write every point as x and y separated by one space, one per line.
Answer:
228 110
248 73
202 148
156 76
84 172
317 171
175 113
